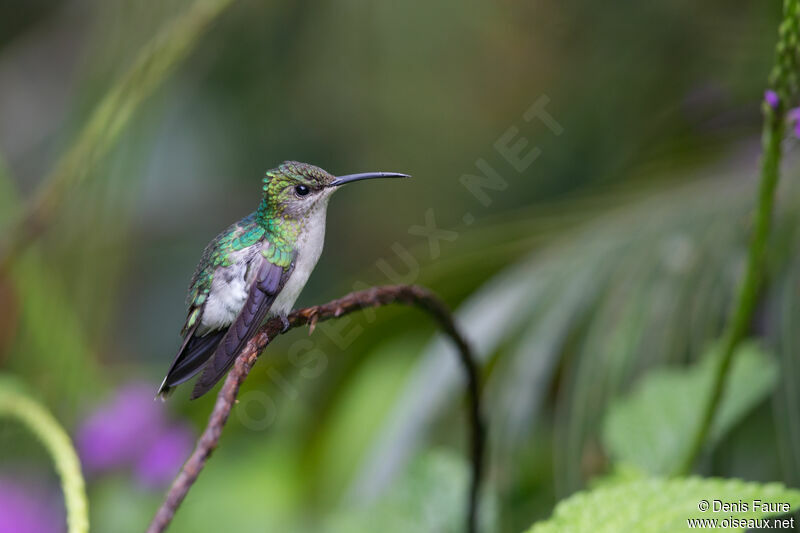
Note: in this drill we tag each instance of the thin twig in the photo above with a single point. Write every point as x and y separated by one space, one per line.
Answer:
374 297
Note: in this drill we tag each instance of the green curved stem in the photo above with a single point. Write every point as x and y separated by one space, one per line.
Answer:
783 81
40 422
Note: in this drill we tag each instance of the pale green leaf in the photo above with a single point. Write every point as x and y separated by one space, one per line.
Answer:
651 427
664 506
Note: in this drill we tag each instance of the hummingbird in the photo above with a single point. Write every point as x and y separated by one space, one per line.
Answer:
255 269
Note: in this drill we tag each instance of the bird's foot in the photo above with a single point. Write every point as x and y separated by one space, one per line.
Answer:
285 322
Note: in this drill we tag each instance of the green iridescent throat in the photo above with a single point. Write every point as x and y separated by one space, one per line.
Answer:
281 230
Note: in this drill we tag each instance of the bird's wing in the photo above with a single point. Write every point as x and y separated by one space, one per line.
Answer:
196 348
269 281
238 236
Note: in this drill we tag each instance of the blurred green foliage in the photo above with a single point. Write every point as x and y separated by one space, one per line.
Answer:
658 443
614 255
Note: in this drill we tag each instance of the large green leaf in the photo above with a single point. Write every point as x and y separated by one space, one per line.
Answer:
660 505
651 427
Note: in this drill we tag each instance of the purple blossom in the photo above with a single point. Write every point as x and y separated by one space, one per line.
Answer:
132 431
115 435
161 462
25 510
772 98
793 116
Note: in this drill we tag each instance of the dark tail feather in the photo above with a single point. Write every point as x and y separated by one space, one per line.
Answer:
221 361
225 353
190 359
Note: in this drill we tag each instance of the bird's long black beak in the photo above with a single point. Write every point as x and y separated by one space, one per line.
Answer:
341 180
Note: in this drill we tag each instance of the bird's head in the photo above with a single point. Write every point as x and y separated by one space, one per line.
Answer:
293 190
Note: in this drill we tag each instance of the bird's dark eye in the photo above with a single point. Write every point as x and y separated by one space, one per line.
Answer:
301 190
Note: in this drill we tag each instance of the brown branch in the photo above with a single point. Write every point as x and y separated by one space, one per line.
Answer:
375 297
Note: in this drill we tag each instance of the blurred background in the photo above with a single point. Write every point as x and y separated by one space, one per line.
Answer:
623 141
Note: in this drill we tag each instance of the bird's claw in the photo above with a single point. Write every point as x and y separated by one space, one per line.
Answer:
285 322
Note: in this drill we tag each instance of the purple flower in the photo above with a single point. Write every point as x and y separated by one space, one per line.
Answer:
772 98
161 462
132 431
793 116
24 510
115 435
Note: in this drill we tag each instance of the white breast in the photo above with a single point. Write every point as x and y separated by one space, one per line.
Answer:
309 248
